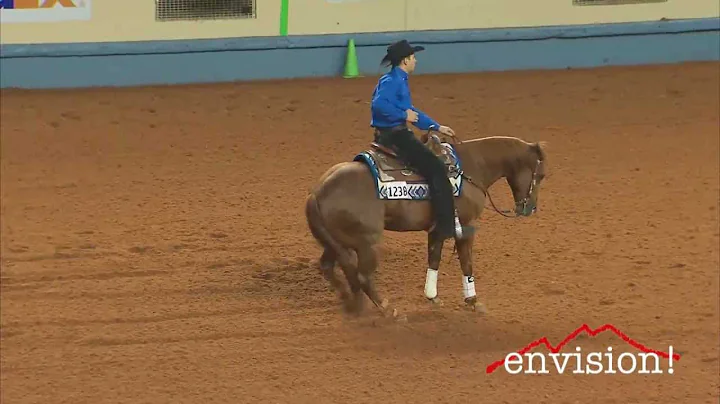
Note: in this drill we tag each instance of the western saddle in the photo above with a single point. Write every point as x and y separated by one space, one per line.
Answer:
393 169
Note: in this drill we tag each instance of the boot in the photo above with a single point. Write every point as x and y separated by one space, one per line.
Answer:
466 233
463 232
459 232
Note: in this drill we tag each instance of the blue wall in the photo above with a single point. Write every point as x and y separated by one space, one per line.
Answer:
175 62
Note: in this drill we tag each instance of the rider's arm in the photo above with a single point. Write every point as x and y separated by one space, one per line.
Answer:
385 103
424 122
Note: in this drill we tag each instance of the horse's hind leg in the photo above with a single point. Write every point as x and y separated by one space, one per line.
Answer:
327 268
367 264
328 258
354 303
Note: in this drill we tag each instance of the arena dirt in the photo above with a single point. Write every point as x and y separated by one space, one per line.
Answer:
154 247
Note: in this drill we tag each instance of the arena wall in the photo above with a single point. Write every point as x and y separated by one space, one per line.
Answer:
109 43
134 20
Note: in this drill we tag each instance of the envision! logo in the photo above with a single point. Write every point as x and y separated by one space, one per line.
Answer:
625 363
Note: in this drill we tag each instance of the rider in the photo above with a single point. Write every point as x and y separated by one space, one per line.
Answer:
391 110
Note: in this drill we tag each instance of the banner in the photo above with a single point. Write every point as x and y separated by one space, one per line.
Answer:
27 11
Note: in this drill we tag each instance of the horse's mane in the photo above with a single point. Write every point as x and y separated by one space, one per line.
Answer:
513 144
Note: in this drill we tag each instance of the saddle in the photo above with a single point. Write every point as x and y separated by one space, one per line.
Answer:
392 168
395 179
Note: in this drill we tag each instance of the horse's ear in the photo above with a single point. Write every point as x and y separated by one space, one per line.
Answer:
539 148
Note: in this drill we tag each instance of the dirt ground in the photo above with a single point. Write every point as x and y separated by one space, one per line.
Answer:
155 250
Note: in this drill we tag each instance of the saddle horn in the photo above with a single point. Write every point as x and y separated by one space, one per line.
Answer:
455 139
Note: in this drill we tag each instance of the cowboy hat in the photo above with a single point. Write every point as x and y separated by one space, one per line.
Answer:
399 51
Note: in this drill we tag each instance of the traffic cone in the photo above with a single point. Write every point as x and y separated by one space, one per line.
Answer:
351 62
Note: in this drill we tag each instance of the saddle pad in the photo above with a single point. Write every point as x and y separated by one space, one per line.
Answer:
397 182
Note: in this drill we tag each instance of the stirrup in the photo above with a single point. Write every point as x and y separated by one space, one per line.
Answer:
467 232
462 232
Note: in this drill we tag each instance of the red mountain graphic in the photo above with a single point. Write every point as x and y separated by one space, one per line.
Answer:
583 328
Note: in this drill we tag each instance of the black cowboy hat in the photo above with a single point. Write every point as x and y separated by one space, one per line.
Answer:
399 51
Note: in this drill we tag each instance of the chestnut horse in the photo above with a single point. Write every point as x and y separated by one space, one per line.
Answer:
356 201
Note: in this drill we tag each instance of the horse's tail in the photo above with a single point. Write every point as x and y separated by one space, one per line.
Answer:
319 230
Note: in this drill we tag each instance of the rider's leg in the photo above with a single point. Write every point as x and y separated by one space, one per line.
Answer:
429 166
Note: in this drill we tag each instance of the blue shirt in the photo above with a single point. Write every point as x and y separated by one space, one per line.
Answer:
391 99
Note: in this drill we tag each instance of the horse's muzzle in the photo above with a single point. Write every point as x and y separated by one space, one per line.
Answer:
526 210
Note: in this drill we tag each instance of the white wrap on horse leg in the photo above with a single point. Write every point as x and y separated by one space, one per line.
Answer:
468 286
431 283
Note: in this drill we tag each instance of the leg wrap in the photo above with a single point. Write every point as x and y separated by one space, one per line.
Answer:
431 283
468 286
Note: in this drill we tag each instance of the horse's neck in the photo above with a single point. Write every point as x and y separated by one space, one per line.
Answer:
489 161
489 171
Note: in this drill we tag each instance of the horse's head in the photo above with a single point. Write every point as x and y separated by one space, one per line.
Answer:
525 177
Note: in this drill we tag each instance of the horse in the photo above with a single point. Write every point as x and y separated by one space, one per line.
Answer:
354 202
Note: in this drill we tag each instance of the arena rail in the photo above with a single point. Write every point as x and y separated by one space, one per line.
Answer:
232 59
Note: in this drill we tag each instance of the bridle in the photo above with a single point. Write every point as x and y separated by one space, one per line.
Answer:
521 205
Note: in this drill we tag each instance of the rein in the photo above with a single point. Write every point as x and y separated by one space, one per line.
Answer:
505 213
522 202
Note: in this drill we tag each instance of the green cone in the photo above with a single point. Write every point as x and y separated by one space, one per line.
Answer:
351 62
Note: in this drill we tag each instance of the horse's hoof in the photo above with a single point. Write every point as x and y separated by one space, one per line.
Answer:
475 306
400 318
350 308
436 301
480 308
384 307
353 305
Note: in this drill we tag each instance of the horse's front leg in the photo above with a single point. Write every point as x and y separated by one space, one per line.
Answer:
464 248
435 246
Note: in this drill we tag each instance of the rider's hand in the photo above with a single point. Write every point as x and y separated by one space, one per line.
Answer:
412 116
445 130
